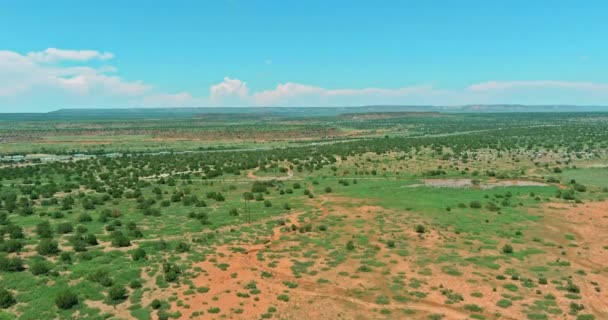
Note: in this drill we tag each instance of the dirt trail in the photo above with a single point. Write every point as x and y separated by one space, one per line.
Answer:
248 267
311 289
277 232
424 306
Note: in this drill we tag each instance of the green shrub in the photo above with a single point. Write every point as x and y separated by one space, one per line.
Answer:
13 264
6 299
572 288
102 277
120 240
39 267
350 245
47 247
473 308
156 304
117 294
382 300
84 217
43 230
64 228
420 229
135 284
213 310
138 254
182 247
504 303
66 299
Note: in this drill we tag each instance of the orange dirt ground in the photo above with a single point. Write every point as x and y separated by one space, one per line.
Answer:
334 299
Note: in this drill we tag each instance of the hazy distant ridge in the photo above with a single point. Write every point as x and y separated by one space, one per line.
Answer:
136 113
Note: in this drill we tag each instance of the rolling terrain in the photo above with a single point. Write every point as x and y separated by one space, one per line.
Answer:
348 213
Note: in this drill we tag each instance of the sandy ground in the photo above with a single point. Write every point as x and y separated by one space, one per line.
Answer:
468 183
228 274
308 300
588 223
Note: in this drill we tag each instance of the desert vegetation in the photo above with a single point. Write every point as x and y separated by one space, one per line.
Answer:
379 216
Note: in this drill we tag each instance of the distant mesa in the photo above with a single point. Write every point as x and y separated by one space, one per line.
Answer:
386 115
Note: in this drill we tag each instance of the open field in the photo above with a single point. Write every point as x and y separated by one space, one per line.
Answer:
379 215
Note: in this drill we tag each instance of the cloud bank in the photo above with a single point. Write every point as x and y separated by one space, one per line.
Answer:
56 78
23 74
53 55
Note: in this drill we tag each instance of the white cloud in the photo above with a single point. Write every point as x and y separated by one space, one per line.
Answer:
235 92
20 74
285 91
53 55
548 84
85 83
55 78
295 93
228 90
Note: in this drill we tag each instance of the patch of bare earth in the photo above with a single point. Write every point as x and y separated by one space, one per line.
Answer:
251 175
580 234
470 183
337 288
229 273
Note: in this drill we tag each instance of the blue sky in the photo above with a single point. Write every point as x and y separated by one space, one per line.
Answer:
56 54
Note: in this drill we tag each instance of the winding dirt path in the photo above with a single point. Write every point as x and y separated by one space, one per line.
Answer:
246 264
